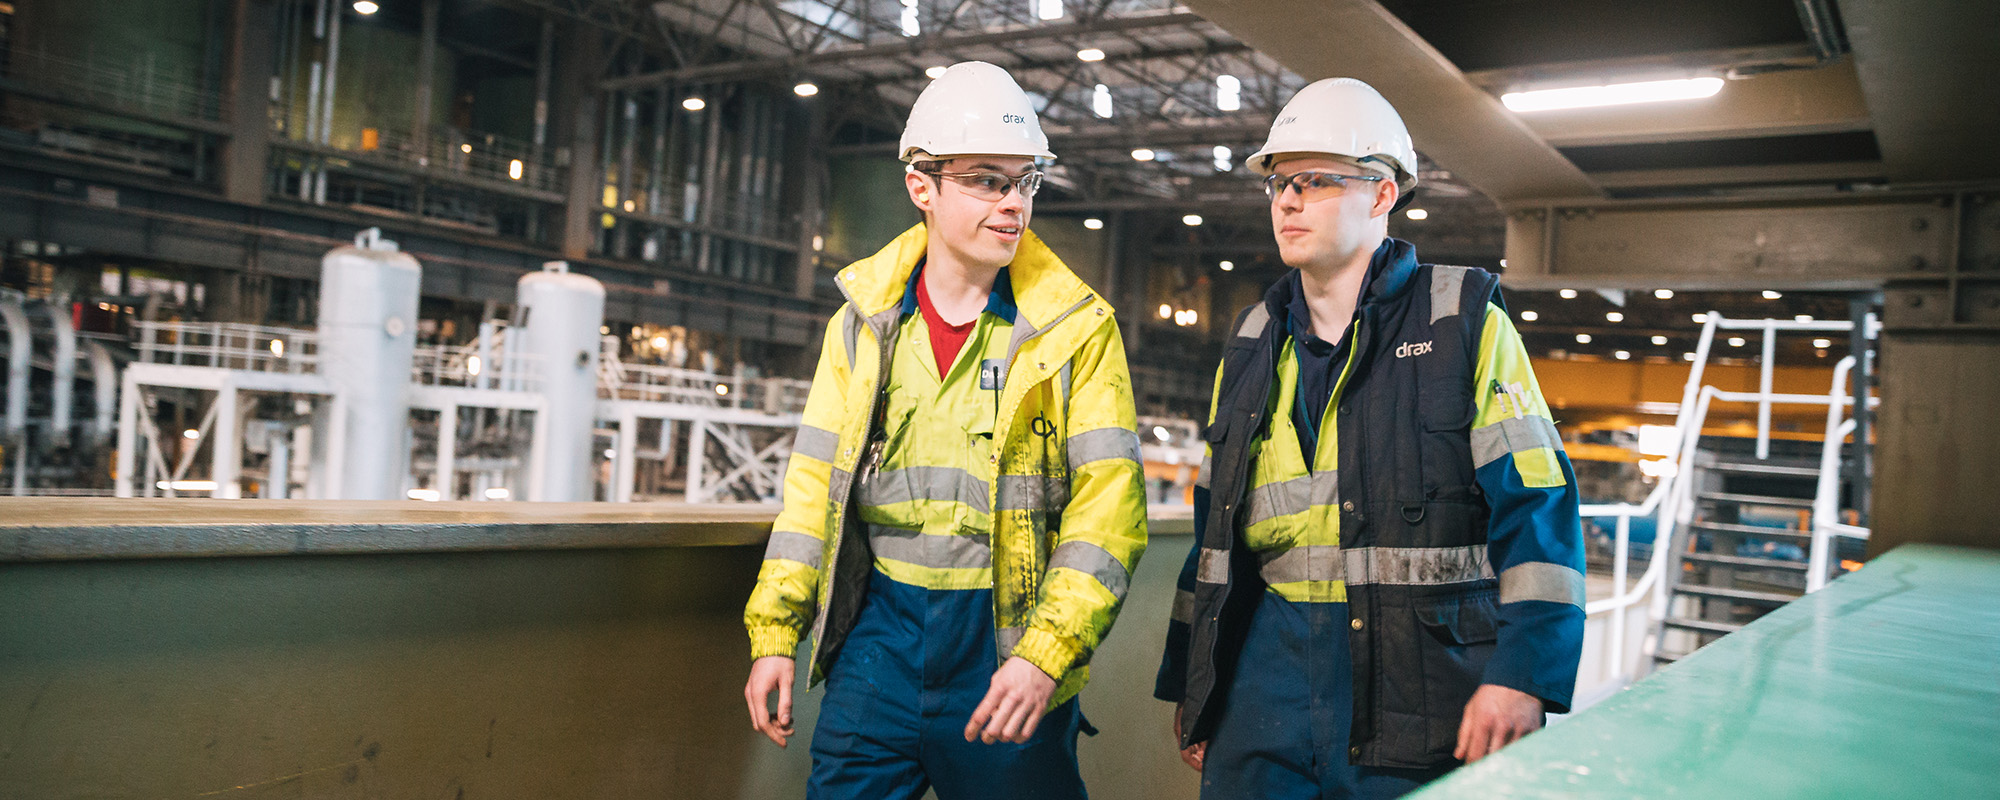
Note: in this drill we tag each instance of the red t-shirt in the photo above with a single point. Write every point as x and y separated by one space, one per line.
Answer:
946 338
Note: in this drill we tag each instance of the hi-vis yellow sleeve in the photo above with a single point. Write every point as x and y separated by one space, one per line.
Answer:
782 605
1103 530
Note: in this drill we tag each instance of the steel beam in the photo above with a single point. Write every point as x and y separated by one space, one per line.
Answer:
1454 121
1851 242
908 47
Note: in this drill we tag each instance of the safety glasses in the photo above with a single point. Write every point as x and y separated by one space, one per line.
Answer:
992 186
1313 186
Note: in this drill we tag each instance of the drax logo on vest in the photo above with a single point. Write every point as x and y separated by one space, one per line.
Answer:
1407 349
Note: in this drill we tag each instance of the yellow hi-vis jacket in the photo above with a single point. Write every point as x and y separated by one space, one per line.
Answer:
1064 482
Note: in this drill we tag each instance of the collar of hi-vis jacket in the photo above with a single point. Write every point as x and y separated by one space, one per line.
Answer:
1389 274
1044 288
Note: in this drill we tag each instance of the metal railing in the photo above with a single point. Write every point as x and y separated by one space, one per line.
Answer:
227 345
1671 503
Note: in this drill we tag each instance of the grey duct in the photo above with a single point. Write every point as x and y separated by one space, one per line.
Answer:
62 394
19 349
104 374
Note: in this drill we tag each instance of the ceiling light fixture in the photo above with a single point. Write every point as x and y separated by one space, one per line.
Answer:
694 104
1191 220
805 90
366 7
1612 94
1142 154
1567 294
1228 266
1090 54
1418 214
1664 294
1529 316
1094 224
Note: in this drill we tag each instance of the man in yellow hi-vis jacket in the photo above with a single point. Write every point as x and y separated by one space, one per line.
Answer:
964 505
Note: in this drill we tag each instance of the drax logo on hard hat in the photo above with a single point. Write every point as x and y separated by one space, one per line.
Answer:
1342 117
974 108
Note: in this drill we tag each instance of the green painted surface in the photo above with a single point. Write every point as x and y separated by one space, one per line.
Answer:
1884 684
600 673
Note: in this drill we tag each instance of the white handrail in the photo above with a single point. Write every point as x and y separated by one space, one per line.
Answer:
1672 501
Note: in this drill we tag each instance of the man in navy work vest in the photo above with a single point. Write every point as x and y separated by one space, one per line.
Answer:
1387 575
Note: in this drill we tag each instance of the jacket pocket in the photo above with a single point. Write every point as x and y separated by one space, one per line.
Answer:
1455 638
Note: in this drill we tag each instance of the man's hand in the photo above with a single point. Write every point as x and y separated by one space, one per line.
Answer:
768 674
1193 755
1014 704
1496 717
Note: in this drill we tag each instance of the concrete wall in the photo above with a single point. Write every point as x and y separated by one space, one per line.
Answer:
538 674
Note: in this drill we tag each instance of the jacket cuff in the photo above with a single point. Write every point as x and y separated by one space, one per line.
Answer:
1555 700
773 640
1048 652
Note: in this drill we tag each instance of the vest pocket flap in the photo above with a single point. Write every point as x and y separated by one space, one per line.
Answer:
1464 619
1446 405
1218 431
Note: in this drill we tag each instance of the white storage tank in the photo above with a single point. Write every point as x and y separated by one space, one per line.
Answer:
367 340
560 312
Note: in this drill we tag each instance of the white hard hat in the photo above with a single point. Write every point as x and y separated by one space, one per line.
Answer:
1342 117
974 108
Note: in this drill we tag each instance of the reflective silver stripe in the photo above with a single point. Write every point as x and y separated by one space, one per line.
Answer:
1541 580
1184 607
794 546
1513 435
1447 283
1214 566
1063 377
850 332
925 550
1094 561
1033 493
816 443
1101 445
1254 322
1006 639
1207 462
1401 566
944 484
1293 496
839 485
1309 563
1416 566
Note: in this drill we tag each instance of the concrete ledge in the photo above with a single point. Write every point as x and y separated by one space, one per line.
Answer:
86 529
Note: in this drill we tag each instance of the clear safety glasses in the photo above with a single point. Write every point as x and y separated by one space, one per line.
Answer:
1313 186
992 186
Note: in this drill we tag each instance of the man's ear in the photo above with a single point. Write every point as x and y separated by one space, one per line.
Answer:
920 190
1385 198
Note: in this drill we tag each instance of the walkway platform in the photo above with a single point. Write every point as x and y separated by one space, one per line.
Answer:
1884 684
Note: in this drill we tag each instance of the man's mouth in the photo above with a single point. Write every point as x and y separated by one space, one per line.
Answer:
1005 231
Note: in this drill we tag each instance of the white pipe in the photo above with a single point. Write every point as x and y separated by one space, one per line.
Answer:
445 481
20 344
128 435
1764 371
226 444
104 376
61 400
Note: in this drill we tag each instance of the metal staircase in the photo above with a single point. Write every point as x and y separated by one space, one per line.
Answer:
1745 552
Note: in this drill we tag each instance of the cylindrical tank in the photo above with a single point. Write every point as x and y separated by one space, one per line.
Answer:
561 312
367 340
